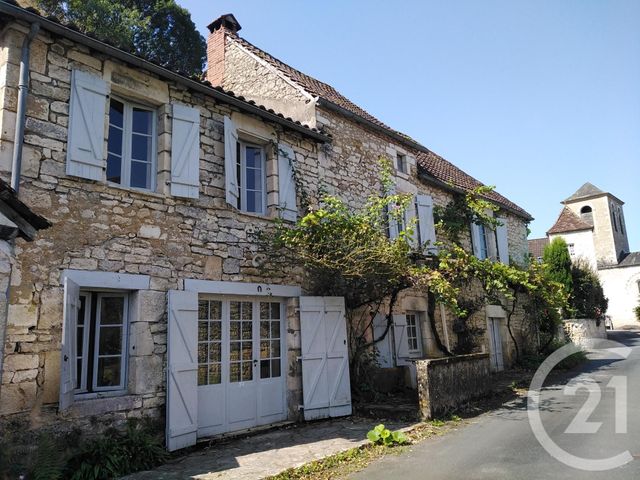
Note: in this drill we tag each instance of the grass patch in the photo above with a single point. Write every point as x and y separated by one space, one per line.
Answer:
356 459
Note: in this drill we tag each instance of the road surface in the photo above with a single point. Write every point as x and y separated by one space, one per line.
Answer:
501 444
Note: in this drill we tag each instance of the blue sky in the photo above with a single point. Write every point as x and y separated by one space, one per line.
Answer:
534 97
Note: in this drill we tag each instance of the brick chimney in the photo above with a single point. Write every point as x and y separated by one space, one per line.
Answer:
216 45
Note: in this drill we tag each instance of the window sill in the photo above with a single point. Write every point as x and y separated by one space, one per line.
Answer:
403 175
99 404
141 191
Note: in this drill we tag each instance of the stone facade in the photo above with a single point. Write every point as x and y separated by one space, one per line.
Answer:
582 330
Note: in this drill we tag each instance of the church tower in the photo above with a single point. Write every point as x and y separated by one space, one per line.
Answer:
603 211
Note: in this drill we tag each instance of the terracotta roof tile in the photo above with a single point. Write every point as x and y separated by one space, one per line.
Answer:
569 222
536 246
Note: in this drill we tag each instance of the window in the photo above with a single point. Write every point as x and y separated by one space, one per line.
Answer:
483 241
586 213
572 249
413 333
101 333
131 145
401 163
613 218
620 221
241 342
251 177
209 342
270 358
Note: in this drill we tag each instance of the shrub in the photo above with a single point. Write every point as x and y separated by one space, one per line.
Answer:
587 299
383 436
556 256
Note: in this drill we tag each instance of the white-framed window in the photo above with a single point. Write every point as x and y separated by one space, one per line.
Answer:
572 249
252 180
131 145
101 342
401 163
414 340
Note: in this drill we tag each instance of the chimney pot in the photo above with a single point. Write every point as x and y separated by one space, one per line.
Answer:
227 22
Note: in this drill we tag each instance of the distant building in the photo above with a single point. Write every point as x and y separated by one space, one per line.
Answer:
593 225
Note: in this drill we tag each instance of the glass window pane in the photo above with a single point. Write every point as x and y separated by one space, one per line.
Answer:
142 121
247 311
264 368
215 352
264 329
251 179
203 331
264 350
203 310
234 330
114 144
140 147
264 310
202 353
251 202
110 342
275 311
79 373
111 310
215 331
275 368
246 330
235 310
275 348
247 350
140 174
215 310
257 202
247 371
116 113
108 372
202 375
114 169
79 339
234 353
234 372
215 374
275 329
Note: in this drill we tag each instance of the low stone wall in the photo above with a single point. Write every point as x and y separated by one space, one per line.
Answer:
580 330
446 383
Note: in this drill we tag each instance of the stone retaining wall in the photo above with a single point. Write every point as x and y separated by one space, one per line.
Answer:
580 330
446 383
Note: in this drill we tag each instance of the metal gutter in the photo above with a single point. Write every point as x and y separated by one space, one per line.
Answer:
56 28
21 112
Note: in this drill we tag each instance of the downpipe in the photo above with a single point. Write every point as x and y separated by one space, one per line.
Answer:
21 113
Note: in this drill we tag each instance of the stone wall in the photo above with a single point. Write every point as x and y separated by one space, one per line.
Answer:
445 384
105 228
581 330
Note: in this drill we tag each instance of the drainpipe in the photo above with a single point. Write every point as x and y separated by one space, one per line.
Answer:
23 90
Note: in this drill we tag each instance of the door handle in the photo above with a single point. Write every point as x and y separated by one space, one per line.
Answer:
66 358
255 363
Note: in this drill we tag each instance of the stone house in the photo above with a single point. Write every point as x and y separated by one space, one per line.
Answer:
145 296
351 160
593 225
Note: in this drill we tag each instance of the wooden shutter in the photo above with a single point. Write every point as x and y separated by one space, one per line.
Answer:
502 241
385 352
411 222
182 369
426 225
286 183
87 120
230 162
326 387
67 361
185 152
475 239
400 339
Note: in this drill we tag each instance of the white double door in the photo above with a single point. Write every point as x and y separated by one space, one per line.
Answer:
241 363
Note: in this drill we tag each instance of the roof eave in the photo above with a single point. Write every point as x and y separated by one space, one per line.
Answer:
452 188
573 230
53 27
589 197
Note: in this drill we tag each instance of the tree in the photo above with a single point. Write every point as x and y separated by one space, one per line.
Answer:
587 298
556 256
160 31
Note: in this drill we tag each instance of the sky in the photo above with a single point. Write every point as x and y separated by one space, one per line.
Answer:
533 97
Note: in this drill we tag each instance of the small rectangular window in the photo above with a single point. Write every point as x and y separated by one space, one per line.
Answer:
413 333
131 145
401 163
252 180
484 241
572 249
101 333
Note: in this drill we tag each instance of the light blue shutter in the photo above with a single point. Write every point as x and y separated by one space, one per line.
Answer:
475 240
230 162
185 152
182 369
426 223
503 240
411 222
400 339
67 361
87 120
286 183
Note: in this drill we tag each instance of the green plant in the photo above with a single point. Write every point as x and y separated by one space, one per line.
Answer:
587 299
556 256
383 436
637 312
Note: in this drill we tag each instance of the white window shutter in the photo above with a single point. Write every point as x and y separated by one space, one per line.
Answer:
326 386
502 240
87 120
475 239
410 222
182 369
426 224
286 183
231 162
400 339
67 361
185 152
385 352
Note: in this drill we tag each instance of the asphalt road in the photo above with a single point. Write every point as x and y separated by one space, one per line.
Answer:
501 444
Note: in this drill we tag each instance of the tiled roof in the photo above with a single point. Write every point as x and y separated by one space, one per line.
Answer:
569 222
536 246
432 164
586 190
446 172
630 260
